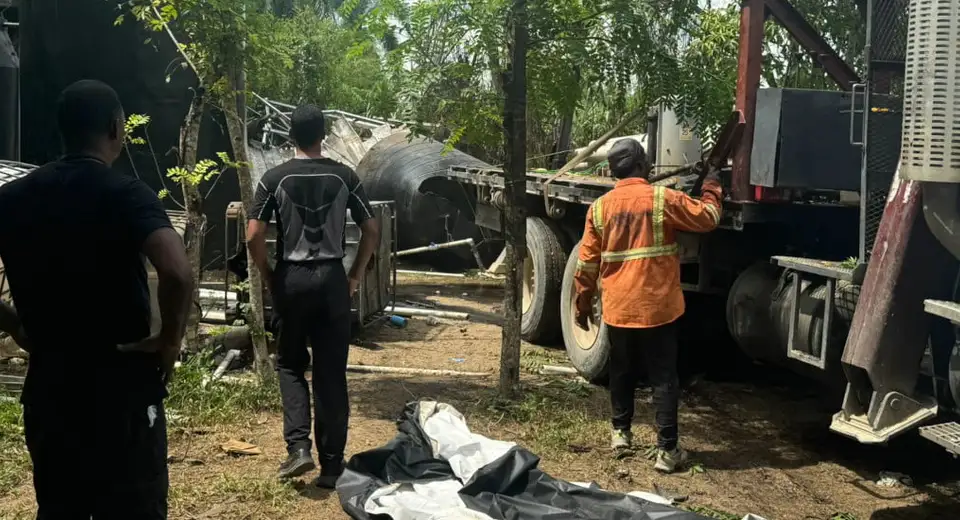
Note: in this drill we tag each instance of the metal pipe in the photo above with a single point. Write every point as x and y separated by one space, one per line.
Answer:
435 247
431 273
225 364
413 311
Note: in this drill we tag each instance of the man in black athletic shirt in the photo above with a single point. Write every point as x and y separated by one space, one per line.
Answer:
310 196
73 236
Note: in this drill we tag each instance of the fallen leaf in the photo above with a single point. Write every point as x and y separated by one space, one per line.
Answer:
235 447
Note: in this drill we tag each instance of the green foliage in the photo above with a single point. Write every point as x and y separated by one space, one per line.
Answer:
205 169
323 63
195 400
441 63
14 460
600 58
711 513
131 125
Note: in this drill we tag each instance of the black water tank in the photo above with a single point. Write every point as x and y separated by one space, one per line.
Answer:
430 209
9 99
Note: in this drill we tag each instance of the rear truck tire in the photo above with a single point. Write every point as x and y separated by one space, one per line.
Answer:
589 351
542 280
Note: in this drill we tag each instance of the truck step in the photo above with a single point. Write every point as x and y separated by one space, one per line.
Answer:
943 309
824 268
946 435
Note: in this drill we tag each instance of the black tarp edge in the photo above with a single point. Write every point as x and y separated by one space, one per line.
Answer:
510 488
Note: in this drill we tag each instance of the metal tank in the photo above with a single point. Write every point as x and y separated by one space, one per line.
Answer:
410 172
930 151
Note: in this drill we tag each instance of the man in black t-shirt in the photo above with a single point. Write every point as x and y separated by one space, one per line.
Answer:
310 196
73 236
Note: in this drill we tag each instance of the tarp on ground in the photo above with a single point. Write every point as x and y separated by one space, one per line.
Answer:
437 469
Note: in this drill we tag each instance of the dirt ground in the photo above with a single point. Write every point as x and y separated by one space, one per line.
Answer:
760 446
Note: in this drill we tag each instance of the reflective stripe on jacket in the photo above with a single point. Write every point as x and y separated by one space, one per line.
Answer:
629 242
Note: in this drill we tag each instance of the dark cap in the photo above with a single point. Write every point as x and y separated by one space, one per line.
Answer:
624 157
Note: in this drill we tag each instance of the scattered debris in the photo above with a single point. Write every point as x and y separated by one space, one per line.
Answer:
235 447
892 479
225 364
669 494
173 459
11 383
425 305
457 360
10 349
373 369
398 321
433 321
412 311
558 370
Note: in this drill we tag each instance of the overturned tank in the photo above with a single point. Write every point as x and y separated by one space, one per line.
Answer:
393 166
410 172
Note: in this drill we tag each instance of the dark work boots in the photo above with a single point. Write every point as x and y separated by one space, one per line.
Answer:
329 473
297 463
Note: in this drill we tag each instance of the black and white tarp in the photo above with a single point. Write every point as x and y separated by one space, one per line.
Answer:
437 469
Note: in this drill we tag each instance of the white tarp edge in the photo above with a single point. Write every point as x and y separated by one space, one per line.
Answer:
466 452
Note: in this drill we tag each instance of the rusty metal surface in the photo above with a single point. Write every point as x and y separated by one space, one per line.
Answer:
749 66
808 37
890 328
728 140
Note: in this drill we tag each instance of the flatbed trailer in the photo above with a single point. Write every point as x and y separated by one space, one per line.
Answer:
826 259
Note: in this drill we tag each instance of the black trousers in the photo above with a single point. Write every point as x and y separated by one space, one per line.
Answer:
313 303
654 349
108 463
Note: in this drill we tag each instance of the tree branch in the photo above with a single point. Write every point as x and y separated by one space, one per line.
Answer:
176 43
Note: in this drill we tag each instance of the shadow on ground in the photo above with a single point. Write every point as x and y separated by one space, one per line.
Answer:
937 510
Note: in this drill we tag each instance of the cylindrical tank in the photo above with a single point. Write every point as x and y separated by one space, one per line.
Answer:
430 209
9 99
758 317
930 149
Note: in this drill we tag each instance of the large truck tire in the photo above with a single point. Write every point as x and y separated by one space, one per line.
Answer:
588 350
542 280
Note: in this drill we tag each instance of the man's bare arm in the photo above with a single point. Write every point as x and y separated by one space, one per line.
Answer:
369 240
164 248
257 244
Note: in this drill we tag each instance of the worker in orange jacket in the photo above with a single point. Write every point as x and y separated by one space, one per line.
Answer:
629 243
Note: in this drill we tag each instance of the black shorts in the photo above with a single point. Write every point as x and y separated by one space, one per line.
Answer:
104 462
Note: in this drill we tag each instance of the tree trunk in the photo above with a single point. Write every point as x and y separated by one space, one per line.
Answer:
193 204
515 227
254 315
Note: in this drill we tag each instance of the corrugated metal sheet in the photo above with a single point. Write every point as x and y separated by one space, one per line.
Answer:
11 171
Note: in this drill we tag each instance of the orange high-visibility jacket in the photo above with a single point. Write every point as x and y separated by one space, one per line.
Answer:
629 241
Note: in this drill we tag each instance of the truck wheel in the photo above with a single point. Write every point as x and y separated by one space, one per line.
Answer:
588 350
542 278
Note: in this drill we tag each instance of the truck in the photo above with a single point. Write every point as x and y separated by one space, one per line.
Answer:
836 255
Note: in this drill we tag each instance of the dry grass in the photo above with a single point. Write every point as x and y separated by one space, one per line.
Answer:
757 447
